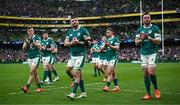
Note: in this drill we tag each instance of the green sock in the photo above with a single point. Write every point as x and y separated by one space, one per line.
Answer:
115 82
49 75
95 71
147 84
81 85
54 72
75 88
28 85
99 72
39 85
154 81
108 84
44 75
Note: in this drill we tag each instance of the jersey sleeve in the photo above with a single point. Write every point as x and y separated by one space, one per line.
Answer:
117 42
85 33
37 39
157 33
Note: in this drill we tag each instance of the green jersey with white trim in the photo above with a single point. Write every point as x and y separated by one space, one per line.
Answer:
79 34
95 48
114 41
147 47
103 53
33 51
47 43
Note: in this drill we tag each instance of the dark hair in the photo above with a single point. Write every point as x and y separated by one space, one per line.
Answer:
111 29
29 28
73 17
145 13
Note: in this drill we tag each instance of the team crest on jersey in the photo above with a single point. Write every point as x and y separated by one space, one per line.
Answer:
150 31
47 43
78 34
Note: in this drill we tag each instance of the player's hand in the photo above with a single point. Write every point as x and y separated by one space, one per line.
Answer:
144 36
107 44
74 42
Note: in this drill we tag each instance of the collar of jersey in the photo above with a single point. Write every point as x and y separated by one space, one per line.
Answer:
77 29
111 38
148 26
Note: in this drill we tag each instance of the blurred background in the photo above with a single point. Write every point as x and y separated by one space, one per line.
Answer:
96 15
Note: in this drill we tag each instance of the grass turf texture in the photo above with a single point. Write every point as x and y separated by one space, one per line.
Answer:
14 76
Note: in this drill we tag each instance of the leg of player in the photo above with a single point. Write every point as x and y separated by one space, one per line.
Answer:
115 80
76 74
81 85
99 66
147 84
55 73
37 79
45 73
30 80
151 71
95 70
96 65
105 72
70 75
108 81
49 74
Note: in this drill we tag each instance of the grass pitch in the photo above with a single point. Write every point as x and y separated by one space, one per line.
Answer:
14 76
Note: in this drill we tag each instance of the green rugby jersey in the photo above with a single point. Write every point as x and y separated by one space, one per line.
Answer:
34 51
47 43
95 48
103 53
114 41
80 34
148 47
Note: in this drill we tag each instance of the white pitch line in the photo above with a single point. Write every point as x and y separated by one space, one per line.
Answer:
123 90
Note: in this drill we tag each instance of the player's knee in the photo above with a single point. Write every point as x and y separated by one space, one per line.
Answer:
99 67
151 72
146 73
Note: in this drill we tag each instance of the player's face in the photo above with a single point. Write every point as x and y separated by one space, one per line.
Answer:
109 33
74 22
45 35
147 19
30 31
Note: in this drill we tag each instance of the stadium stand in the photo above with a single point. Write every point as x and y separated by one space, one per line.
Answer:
125 27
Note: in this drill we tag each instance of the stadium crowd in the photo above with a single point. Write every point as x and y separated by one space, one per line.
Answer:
127 54
65 8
